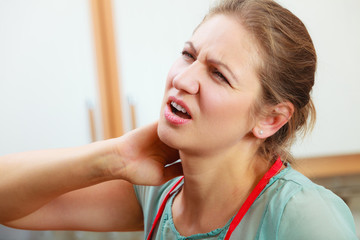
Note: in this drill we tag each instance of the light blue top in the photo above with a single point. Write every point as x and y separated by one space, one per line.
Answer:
290 207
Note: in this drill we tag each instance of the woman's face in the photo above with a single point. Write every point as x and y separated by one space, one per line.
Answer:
210 89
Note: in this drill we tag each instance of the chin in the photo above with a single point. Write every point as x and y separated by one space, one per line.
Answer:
165 135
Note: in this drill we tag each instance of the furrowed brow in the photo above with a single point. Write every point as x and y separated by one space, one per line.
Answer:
212 61
191 45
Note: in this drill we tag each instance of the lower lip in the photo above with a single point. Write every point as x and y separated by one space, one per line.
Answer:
173 118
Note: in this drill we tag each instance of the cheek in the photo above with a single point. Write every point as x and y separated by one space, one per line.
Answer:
224 108
215 100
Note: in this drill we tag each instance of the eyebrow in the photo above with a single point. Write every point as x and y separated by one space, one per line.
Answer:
213 61
191 46
216 62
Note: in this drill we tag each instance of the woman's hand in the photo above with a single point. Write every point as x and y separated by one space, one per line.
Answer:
144 158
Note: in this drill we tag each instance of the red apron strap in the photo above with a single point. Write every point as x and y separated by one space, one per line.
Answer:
161 209
252 197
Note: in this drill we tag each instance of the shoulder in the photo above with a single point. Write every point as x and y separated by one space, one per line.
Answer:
150 199
306 210
150 195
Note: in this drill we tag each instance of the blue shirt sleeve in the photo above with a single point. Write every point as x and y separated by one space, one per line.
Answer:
316 213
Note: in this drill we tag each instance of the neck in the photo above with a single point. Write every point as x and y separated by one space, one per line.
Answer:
214 188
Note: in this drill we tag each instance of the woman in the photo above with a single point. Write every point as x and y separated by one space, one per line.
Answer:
232 104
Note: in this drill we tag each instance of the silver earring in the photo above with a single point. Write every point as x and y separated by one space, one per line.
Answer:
261 132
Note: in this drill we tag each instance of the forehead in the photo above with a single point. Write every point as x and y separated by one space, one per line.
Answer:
224 38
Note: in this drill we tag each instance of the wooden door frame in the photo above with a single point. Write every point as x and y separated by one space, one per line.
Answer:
107 68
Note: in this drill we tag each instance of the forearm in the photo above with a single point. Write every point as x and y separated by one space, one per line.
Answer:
31 183
30 180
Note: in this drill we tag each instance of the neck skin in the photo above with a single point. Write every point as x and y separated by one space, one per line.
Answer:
215 187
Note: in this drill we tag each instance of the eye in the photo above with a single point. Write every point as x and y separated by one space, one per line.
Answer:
220 76
187 55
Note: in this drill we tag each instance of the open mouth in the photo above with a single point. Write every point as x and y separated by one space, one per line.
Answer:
179 110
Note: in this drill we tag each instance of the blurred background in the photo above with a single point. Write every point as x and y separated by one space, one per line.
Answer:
77 71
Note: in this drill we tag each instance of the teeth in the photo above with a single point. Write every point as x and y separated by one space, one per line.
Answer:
178 107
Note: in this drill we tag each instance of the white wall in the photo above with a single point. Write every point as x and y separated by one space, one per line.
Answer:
151 34
334 27
47 68
47 74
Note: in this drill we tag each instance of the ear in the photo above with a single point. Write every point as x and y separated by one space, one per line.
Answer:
277 117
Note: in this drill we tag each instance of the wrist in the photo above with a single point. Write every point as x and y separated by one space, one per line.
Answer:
106 162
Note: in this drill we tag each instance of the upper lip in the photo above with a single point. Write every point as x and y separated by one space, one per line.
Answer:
179 102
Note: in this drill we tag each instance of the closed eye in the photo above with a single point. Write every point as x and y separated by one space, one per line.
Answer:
220 76
187 55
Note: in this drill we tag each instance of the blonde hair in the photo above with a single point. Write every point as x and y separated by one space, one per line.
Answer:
287 66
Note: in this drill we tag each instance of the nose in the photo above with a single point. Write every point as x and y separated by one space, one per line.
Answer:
188 79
